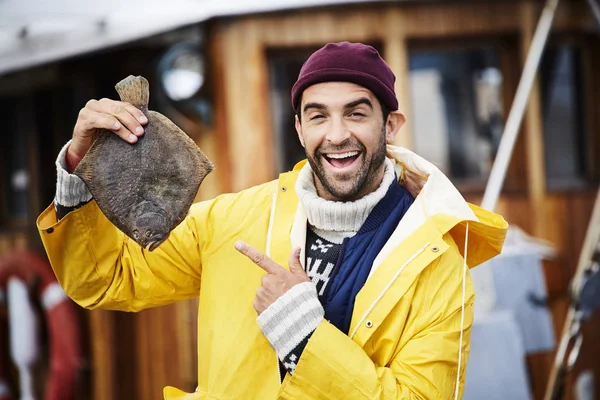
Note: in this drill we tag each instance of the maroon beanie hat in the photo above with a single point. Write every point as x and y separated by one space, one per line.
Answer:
348 62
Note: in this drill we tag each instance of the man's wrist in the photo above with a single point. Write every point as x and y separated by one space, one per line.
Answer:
70 189
291 318
71 160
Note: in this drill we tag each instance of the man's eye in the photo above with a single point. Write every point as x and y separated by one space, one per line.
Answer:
357 114
318 116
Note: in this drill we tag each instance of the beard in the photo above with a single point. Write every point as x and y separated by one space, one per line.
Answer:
350 186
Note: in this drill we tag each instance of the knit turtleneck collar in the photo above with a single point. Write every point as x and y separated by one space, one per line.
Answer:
337 216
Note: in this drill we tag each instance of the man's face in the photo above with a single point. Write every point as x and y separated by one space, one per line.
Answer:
344 137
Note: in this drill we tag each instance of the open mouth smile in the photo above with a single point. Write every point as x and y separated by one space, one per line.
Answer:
342 160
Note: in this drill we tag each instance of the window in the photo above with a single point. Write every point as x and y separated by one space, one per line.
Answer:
14 160
457 107
284 67
569 164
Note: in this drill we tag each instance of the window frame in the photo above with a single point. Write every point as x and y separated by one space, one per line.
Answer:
507 46
590 101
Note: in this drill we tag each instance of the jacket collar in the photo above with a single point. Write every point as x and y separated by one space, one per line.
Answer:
426 183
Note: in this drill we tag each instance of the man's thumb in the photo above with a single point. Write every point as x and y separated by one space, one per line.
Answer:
294 261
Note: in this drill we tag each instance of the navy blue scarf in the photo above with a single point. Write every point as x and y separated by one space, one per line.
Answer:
358 253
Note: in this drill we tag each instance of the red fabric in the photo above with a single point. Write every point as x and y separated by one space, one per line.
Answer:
4 356
63 325
65 352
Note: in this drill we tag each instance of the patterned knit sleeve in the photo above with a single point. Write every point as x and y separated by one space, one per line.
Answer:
71 192
289 322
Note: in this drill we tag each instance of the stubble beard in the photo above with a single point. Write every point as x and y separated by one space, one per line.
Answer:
367 172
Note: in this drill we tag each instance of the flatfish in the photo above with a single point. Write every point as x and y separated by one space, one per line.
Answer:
145 189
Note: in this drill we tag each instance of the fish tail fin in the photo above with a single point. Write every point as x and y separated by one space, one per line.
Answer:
134 90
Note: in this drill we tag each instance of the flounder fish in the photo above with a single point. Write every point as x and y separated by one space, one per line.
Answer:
145 189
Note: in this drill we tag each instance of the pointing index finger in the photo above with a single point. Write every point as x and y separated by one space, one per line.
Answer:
258 257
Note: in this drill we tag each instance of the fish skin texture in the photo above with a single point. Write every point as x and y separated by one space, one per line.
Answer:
149 186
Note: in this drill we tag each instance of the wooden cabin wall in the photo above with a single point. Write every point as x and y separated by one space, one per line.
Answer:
559 217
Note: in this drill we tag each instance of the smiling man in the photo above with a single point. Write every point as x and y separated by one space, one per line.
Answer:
342 119
346 278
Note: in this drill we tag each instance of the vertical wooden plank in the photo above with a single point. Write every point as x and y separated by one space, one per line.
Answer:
396 53
173 351
156 349
145 353
20 242
125 356
103 360
536 170
248 114
216 139
186 342
217 181
4 245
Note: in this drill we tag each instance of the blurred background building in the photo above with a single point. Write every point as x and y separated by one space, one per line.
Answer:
223 72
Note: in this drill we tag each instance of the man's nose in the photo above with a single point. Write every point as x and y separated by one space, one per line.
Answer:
338 132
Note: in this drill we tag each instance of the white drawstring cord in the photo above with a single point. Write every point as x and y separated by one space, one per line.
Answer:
462 313
268 253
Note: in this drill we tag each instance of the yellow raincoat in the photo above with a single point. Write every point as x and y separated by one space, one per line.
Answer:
404 337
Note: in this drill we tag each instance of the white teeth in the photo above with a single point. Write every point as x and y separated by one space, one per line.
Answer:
343 155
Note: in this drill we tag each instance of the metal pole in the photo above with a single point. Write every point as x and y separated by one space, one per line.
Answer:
515 117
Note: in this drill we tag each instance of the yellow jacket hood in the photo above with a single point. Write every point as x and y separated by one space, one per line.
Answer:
438 200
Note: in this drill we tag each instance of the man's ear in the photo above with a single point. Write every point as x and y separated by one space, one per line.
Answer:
392 126
298 126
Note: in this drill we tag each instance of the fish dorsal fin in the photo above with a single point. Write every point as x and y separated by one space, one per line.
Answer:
134 90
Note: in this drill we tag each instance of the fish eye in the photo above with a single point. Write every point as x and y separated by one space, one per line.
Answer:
148 233
136 234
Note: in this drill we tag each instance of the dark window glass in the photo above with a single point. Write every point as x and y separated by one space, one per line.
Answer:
457 110
15 175
284 67
563 117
